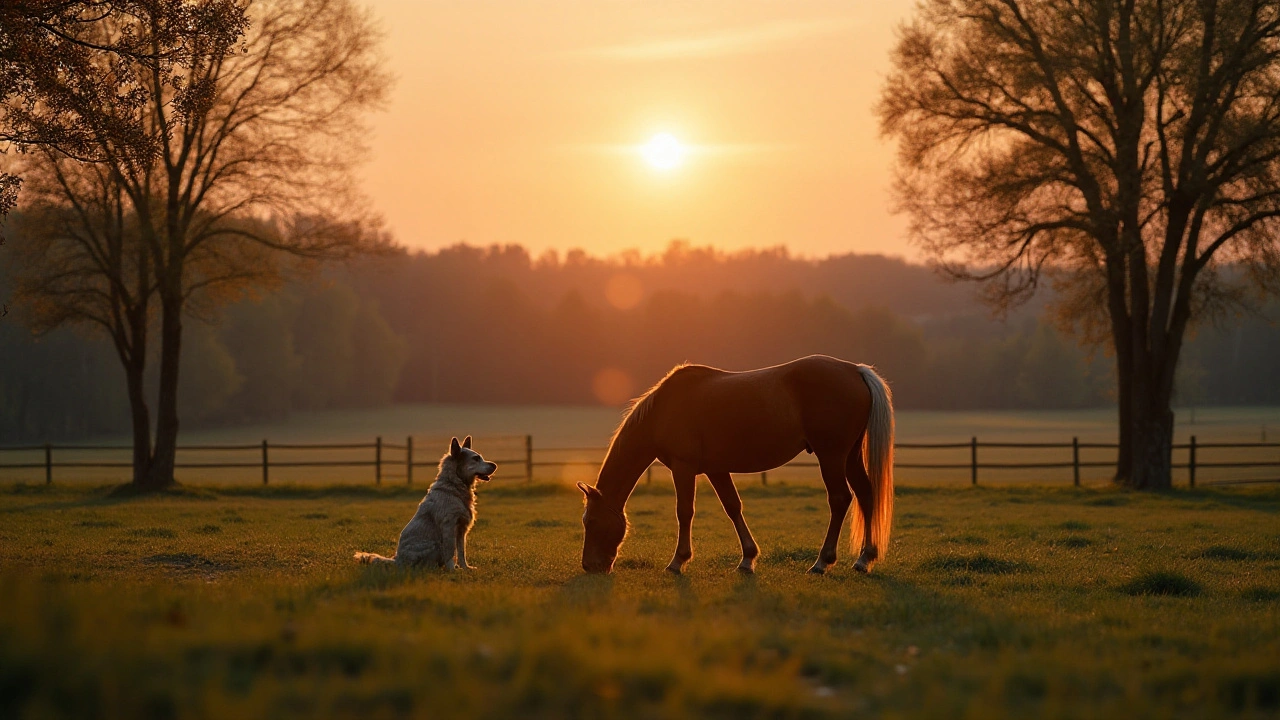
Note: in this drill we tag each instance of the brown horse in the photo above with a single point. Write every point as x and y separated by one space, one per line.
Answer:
700 420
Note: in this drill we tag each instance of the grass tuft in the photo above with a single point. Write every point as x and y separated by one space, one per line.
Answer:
1108 501
1261 594
153 532
782 555
979 563
100 524
1162 583
1225 552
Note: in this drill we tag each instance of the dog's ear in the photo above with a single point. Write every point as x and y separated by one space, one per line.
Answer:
467 443
587 490
454 448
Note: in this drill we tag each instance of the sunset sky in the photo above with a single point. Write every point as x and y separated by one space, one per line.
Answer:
523 121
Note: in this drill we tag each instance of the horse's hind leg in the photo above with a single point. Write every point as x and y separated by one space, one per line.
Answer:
686 483
728 494
865 493
838 498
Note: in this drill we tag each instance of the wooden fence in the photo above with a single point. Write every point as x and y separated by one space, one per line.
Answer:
384 466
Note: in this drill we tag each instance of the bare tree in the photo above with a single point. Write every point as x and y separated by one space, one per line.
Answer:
254 139
1127 149
80 259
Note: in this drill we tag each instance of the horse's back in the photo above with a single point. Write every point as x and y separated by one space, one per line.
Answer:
833 399
764 417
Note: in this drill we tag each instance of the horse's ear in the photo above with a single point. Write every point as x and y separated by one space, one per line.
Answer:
467 443
587 490
454 448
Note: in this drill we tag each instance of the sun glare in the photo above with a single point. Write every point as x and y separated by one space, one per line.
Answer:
663 151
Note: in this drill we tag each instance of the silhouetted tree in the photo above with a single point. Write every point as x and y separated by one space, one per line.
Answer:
56 74
253 138
80 260
1130 148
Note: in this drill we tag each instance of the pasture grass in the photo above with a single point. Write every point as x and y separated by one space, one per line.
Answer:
993 602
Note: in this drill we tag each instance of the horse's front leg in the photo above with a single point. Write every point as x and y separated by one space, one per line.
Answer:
839 497
686 482
728 494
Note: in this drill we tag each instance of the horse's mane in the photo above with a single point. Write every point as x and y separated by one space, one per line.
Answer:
639 408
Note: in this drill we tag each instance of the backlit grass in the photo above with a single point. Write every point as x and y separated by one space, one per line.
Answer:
1030 602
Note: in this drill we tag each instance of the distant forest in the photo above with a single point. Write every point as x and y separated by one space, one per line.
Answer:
497 325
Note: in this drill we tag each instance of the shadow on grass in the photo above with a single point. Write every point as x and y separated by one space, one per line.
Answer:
1163 584
635 563
587 590
1262 499
84 496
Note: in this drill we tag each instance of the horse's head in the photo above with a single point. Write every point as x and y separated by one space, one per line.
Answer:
604 530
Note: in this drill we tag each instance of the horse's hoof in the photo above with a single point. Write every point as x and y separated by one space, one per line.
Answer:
862 567
674 569
816 570
747 569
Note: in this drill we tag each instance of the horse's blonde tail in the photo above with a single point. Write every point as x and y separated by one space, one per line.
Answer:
365 558
877 455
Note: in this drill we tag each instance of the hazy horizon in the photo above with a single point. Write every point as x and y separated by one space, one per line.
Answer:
520 122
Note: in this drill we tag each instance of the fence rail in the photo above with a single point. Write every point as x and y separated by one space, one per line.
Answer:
382 465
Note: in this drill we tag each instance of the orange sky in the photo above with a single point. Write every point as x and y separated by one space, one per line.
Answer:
515 121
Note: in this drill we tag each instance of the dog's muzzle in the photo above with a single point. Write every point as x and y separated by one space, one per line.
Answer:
485 476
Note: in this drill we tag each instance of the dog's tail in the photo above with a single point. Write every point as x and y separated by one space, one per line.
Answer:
365 558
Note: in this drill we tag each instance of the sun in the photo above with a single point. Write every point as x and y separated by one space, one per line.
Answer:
663 151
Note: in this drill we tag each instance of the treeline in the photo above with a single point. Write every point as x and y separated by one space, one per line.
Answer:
312 346
495 325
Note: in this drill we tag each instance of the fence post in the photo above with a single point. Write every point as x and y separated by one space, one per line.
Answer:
1075 459
377 461
973 459
408 459
265 464
528 458
1191 462
48 464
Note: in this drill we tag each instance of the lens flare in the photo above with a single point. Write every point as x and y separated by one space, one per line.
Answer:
612 386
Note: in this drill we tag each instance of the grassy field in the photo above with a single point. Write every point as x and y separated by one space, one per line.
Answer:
993 602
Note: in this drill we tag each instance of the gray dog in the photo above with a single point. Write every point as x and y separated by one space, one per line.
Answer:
439 529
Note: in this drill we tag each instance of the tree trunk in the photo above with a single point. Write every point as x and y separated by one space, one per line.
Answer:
162 462
1121 331
1124 408
1151 420
141 418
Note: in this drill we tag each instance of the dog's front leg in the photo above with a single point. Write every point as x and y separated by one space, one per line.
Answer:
449 550
462 548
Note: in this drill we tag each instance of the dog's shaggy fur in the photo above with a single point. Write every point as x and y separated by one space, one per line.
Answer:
438 531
